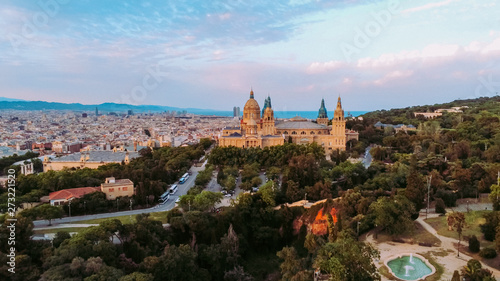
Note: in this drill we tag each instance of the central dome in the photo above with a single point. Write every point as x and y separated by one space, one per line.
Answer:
251 109
252 104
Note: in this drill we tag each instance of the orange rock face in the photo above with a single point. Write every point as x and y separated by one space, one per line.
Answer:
320 224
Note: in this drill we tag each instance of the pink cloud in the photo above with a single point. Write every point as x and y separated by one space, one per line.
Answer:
427 6
319 67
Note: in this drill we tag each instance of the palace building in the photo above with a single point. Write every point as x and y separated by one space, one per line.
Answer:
258 130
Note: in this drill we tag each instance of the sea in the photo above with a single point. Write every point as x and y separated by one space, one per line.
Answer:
283 114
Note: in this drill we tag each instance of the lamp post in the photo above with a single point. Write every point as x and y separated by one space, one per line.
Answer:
358 227
147 202
131 204
69 205
117 204
84 207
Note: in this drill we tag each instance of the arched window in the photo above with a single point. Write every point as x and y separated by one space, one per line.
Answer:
312 133
285 132
302 133
294 133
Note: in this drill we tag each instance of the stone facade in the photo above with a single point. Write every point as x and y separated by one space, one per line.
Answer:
261 131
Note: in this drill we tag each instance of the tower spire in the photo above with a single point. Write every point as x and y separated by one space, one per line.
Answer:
251 92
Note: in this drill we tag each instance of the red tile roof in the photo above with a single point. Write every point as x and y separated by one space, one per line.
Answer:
72 193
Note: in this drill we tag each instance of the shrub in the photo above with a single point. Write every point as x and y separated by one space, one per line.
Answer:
488 253
474 244
440 206
449 198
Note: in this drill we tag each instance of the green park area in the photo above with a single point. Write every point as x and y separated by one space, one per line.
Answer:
473 221
417 235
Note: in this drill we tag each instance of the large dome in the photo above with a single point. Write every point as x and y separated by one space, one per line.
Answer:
252 104
251 109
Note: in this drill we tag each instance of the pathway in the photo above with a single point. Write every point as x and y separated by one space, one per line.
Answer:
449 243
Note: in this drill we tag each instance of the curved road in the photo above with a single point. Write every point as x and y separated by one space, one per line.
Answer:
182 190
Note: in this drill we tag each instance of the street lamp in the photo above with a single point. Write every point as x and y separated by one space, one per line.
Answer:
117 204
69 205
358 227
84 207
131 204
147 202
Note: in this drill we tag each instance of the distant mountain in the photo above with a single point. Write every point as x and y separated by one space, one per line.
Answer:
6 103
9 99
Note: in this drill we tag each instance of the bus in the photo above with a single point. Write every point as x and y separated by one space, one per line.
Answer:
164 197
184 178
173 189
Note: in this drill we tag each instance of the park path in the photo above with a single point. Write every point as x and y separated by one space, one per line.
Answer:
449 244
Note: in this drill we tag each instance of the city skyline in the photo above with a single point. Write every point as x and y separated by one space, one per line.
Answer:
376 55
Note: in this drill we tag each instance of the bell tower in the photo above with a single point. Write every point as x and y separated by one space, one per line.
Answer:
268 123
338 127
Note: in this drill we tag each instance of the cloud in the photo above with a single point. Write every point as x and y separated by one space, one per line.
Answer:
320 67
427 6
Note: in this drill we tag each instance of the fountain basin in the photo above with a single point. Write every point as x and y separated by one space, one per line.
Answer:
409 267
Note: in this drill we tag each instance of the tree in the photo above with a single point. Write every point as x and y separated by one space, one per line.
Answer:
137 276
394 214
229 246
237 274
456 220
489 227
494 196
291 264
473 271
206 200
60 237
48 212
456 276
415 190
474 245
440 206
348 260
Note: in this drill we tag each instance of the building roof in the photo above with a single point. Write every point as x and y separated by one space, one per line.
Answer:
297 125
322 110
297 118
117 182
98 156
69 193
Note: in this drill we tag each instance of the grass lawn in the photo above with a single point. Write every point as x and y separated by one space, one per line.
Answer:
473 220
55 230
418 235
161 216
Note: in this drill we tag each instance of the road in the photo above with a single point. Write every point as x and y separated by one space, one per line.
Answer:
367 160
182 190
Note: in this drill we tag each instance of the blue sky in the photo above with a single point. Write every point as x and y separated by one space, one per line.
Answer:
208 54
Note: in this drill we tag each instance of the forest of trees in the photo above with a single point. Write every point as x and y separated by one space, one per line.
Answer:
254 240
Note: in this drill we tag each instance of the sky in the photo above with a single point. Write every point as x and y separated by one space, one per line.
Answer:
209 54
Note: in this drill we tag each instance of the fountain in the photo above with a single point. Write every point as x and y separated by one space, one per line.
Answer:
410 267
407 268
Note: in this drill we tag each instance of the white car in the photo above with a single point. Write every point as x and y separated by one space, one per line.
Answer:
227 195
